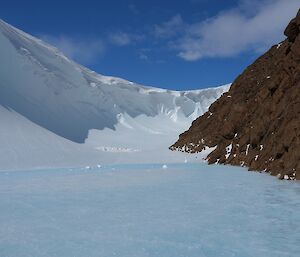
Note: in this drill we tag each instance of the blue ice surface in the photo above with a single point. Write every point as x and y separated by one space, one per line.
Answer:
185 210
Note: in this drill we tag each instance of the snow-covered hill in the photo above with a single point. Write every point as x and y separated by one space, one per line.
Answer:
55 112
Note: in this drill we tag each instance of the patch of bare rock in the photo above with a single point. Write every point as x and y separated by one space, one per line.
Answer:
257 123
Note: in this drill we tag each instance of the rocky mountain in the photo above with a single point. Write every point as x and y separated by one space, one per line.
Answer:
257 123
55 112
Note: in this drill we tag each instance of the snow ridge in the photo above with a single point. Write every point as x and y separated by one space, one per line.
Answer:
61 99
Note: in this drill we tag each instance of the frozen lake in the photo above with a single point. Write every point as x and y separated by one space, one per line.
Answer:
143 210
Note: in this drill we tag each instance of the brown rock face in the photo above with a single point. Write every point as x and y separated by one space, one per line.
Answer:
257 123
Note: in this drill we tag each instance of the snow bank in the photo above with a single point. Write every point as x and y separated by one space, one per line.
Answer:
57 113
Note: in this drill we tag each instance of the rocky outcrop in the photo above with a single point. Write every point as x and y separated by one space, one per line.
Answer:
257 123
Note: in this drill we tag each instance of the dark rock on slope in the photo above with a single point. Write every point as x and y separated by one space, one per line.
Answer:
257 123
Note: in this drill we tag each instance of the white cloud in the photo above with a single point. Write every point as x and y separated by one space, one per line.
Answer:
169 28
124 39
133 9
82 51
143 56
252 26
120 39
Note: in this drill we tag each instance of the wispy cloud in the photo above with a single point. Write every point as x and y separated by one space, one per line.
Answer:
144 54
81 50
133 8
120 39
252 26
124 39
87 51
170 28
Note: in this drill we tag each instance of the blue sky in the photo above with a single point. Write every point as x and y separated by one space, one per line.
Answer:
173 44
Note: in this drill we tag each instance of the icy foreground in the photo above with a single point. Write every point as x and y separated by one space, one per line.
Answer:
144 210
57 113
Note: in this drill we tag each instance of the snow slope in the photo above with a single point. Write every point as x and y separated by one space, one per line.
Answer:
55 112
